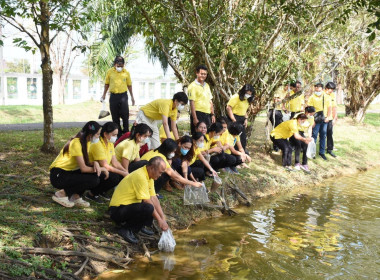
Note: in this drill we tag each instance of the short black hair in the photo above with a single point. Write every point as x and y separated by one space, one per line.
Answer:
141 129
301 116
235 128
155 161
330 85
108 127
118 58
167 147
309 109
181 97
318 85
201 67
293 84
222 120
215 127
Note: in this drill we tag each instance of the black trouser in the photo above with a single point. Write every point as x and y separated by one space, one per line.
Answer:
198 170
119 109
135 215
222 160
286 149
73 182
159 183
106 184
329 135
277 117
202 117
243 136
299 145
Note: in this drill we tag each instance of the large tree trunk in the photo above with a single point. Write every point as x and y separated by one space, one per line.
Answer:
47 80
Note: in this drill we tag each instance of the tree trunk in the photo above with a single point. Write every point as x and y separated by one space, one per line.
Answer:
47 80
359 115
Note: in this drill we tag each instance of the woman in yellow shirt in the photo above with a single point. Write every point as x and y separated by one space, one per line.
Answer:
127 152
103 152
306 127
282 132
183 155
237 108
72 173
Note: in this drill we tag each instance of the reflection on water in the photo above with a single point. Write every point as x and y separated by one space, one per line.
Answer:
328 232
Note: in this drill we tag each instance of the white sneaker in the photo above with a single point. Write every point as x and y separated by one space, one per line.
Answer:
81 203
64 201
297 167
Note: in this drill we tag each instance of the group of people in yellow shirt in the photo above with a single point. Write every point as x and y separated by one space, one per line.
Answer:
318 118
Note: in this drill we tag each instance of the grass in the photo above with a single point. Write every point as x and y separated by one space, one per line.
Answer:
28 214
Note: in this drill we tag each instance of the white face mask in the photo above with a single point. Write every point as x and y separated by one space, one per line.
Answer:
180 107
94 140
247 96
146 140
171 155
216 137
318 93
119 69
201 145
113 139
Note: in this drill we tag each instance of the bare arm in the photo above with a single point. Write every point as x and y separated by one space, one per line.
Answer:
192 111
166 126
104 163
230 114
174 175
303 139
125 163
174 129
131 93
106 87
207 164
212 112
156 212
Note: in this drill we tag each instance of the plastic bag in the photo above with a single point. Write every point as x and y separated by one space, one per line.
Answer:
103 112
193 195
216 183
285 117
167 242
311 149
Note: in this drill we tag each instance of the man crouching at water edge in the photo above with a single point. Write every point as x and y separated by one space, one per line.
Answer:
134 203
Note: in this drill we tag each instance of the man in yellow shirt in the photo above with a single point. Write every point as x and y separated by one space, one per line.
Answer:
322 105
118 82
329 90
201 106
296 104
162 109
134 203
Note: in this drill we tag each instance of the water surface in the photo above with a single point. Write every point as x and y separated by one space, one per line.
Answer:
327 232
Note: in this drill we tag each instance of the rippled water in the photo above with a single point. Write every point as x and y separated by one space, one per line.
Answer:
329 232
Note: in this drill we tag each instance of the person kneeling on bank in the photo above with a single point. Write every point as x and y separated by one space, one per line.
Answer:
134 203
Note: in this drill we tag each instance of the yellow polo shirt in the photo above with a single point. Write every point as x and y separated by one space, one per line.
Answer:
229 139
201 95
317 102
207 144
101 151
295 104
285 129
118 81
332 97
133 188
68 161
159 107
152 154
197 151
163 134
127 149
238 107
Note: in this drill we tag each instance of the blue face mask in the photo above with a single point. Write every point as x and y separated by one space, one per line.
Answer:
184 151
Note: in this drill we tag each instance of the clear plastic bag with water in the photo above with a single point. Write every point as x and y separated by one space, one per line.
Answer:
167 242
311 149
193 195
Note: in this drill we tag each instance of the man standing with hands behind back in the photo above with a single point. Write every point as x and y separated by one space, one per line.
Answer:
201 106
118 82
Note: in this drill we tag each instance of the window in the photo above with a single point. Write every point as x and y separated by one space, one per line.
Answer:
172 89
142 90
12 87
151 91
76 89
163 90
31 84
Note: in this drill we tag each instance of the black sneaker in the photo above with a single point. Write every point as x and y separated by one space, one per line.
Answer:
128 235
323 156
331 153
146 231
95 198
104 197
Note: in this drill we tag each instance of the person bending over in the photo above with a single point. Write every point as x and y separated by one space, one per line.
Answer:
72 173
282 132
134 203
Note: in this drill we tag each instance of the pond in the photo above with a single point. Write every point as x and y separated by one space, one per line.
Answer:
325 232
